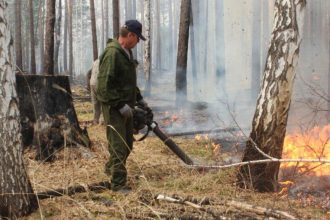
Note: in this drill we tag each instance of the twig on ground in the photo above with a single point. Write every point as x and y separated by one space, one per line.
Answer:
260 210
73 190
179 201
238 205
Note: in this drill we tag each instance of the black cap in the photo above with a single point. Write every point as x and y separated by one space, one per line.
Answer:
136 27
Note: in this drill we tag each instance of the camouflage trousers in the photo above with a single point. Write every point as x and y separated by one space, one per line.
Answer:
120 143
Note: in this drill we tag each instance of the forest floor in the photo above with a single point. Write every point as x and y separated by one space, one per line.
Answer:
153 170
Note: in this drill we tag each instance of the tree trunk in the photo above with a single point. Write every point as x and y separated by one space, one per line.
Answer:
16 193
65 37
58 36
128 9
270 118
41 35
18 34
70 70
93 23
134 50
171 34
106 21
256 34
192 51
181 66
265 31
49 38
102 25
26 41
220 46
157 41
115 18
32 41
147 46
328 64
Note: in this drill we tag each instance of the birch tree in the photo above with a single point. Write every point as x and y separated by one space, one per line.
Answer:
181 66
49 38
147 46
273 104
16 194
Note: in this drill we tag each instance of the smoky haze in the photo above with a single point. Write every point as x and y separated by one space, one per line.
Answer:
227 49
221 72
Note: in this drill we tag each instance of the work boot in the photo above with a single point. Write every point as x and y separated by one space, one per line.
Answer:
123 189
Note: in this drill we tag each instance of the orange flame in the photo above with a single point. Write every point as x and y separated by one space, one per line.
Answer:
312 144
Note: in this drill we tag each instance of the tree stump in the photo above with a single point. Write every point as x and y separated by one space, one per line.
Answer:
43 100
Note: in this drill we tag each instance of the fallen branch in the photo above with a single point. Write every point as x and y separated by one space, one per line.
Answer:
180 201
322 161
238 205
260 210
73 190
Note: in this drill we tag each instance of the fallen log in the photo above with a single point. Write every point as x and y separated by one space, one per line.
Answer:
104 185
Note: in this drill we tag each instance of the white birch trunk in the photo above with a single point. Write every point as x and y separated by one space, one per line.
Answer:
147 46
16 194
270 118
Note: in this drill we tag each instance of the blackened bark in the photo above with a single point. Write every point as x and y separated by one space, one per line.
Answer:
181 66
42 97
49 38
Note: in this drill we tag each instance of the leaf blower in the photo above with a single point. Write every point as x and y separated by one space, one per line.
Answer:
143 117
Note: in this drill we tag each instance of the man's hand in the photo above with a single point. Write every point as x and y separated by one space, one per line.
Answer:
126 111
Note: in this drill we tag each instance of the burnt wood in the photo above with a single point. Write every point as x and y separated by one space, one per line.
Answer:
42 96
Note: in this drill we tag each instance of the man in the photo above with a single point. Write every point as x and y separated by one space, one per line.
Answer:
92 85
117 91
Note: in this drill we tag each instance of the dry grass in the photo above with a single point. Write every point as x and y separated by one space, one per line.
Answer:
152 169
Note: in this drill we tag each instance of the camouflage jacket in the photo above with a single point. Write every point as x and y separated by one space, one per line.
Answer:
116 81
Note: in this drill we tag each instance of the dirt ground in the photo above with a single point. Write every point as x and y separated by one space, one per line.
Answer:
153 170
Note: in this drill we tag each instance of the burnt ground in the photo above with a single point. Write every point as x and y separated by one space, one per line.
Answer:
153 170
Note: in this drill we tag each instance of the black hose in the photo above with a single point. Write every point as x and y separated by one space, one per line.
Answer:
170 143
